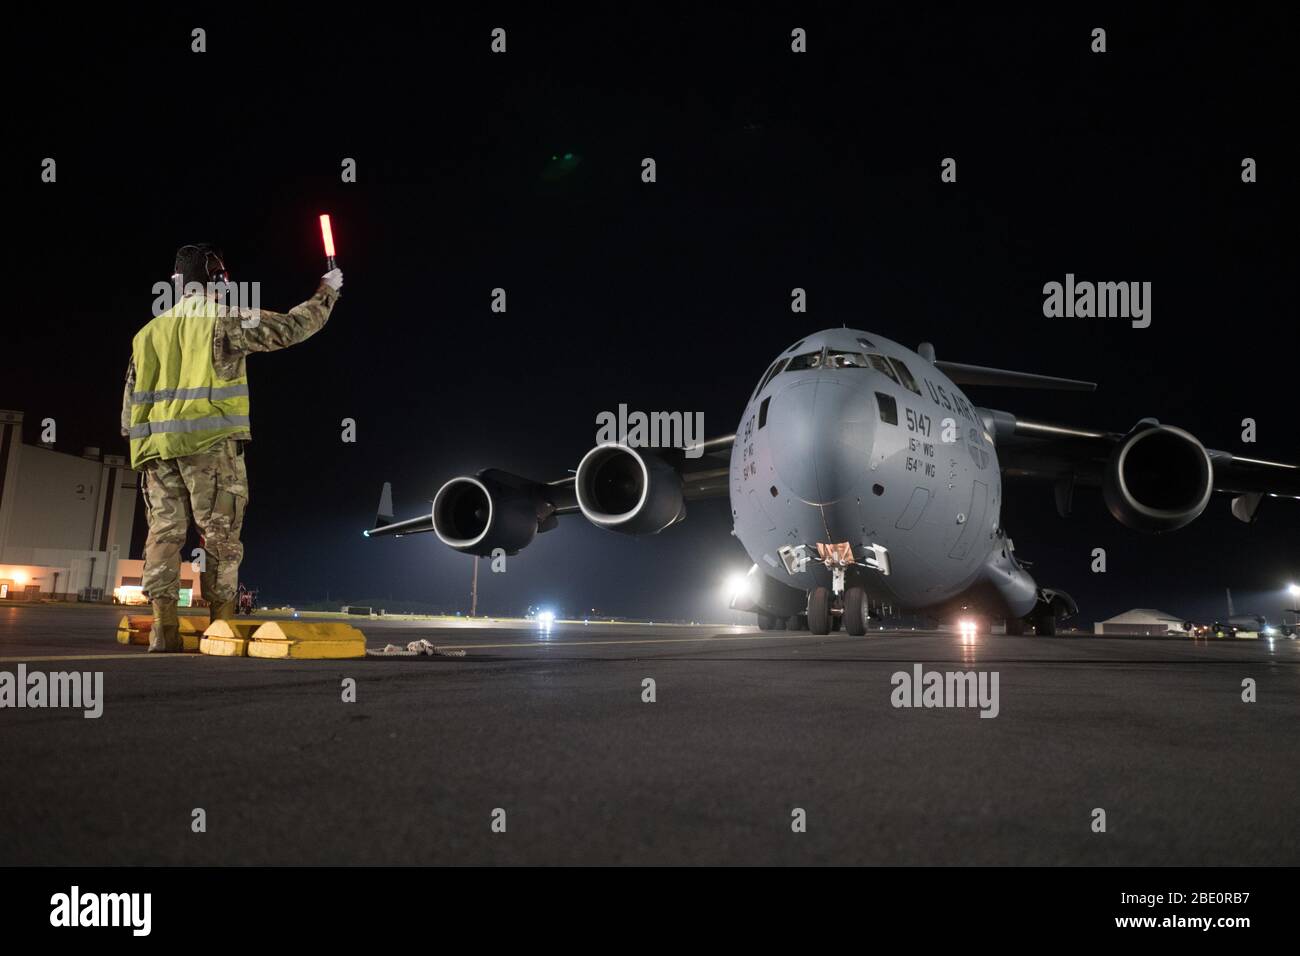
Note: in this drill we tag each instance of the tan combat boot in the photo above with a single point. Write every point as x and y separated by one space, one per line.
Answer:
222 611
165 635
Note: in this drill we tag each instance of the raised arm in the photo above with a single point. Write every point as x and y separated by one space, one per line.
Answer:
266 331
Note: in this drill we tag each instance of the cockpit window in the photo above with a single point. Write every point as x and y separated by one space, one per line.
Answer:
836 359
771 374
767 377
888 408
905 376
805 361
881 364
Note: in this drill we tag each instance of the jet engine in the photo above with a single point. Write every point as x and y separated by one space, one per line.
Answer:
1159 478
629 490
494 509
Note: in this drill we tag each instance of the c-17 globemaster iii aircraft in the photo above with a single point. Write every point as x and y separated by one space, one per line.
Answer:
861 476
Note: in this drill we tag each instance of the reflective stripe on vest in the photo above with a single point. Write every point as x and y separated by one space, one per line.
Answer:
180 406
188 425
171 394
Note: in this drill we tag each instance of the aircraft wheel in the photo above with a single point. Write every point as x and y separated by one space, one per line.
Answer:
765 622
1045 625
819 610
1015 626
855 611
797 622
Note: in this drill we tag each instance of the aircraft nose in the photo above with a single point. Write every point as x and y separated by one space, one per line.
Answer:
821 439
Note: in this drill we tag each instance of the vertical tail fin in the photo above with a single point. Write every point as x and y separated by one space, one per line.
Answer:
385 514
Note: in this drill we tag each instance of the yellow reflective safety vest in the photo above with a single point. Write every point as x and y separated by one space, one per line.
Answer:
179 405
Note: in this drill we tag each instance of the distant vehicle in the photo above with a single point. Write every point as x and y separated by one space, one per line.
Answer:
860 476
245 600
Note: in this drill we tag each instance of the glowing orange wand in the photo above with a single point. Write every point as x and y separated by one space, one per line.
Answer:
327 235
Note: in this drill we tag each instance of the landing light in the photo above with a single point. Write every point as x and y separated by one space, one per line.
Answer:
546 618
739 585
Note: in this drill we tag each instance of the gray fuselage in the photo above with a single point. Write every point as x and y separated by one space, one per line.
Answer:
851 437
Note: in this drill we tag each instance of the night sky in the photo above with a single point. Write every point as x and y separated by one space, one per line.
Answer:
774 170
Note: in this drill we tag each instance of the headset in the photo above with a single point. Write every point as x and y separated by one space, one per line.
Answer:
213 265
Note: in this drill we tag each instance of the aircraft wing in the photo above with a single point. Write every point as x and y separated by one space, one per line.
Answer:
702 476
1068 456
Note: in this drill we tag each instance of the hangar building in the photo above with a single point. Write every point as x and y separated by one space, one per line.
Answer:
65 520
1141 620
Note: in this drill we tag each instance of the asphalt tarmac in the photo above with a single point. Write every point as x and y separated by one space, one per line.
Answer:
747 728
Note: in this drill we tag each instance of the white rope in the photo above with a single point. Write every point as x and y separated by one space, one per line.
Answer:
420 648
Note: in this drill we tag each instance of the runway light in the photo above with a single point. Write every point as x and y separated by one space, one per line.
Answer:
546 618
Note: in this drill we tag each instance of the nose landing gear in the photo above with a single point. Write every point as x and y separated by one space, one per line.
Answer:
856 612
819 610
836 606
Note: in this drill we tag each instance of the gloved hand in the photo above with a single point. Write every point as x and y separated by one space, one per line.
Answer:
333 279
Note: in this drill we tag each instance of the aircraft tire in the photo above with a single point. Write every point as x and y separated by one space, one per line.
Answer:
819 610
1045 625
797 622
765 622
855 611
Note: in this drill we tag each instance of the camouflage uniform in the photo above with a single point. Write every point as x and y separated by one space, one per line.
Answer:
211 487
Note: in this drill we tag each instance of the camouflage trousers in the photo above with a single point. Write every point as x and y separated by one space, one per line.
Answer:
212 488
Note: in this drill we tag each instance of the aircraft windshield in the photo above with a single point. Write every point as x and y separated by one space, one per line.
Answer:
805 361
846 360
771 373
